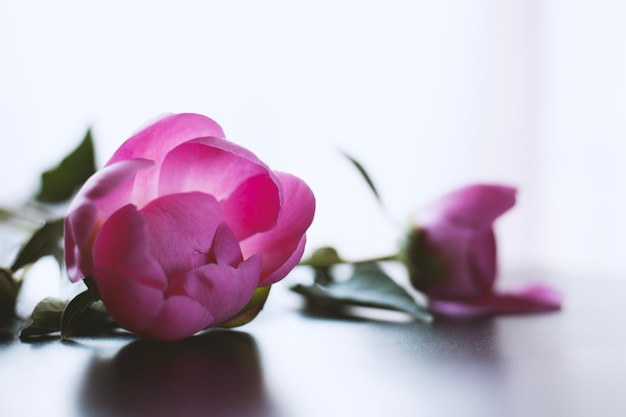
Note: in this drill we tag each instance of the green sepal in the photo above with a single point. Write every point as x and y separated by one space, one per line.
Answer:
423 263
45 241
251 310
75 308
368 286
60 183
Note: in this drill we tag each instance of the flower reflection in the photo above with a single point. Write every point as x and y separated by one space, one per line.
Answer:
8 329
217 373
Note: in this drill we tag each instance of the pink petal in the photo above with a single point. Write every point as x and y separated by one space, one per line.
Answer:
106 191
470 264
123 246
221 289
155 141
130 281
129 267
111 186
534 299
249 190
281 246
179 318
181 229
285 268
253 206
131 303
468 209
143 310
133 284
225 249
483 254
78 231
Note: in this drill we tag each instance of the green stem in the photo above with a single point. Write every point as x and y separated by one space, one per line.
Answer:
19 219
393 258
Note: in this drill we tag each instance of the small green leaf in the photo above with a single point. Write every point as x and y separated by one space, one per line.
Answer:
251 310
45 241
364 174
60 183
75 308
369 286
323 257
8 293
45 319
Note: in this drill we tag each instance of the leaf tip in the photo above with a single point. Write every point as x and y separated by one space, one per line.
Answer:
364 174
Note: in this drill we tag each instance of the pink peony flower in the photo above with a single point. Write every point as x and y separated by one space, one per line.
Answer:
181 227
451 255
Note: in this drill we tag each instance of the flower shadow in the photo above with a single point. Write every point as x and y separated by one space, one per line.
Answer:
216 373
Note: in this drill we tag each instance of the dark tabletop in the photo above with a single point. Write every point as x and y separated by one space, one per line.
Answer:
292 363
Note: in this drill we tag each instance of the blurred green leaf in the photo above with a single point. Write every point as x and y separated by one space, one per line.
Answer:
251 310
364 174
369 286
8 293
45 241
47 316
323 257
5 214
323 275
45 319
321 260
60 183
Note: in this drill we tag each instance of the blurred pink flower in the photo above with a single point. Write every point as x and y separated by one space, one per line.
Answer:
451 255
181 227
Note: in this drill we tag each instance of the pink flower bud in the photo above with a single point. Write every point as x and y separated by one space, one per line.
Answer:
451 255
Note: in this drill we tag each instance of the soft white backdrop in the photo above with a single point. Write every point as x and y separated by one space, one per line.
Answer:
427 94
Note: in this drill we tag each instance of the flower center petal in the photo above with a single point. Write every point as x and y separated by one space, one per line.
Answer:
182 229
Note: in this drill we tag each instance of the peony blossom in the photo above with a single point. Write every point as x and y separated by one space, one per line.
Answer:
181 227
451 255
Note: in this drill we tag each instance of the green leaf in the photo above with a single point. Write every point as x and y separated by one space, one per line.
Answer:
323 257
60 183
364 174
369 286
251 310
45 319
75 308
45 241
8 293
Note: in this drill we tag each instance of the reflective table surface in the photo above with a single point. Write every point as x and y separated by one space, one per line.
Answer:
291 363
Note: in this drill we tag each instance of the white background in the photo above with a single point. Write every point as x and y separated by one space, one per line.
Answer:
428 95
